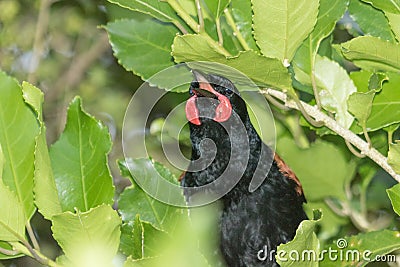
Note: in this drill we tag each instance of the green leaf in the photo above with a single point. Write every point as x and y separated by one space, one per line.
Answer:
329 13
88 238
372 53
361 249
392 6
304 241
243 16
46 197
321 157
280 27
135 201
360 105
371 21
160 10
394 195
143 47
216 7
262 70
12 219
376 81
79 161
334 86
394 21
18 130
394 156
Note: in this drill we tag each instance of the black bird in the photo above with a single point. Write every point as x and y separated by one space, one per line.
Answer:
251 222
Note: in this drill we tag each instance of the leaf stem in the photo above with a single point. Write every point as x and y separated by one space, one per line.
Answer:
32 236
8 252
184 15
200 16
348 135
219 31
236 32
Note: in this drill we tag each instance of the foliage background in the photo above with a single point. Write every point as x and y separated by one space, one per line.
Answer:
58 46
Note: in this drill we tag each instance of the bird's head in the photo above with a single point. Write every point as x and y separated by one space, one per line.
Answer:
213 97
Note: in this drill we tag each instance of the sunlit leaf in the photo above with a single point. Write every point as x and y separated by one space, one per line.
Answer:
18 130
46 197
79 161
12 219
394 21
281 26
334 86
88 238
360 105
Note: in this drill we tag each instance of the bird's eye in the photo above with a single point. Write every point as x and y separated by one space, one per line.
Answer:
228 91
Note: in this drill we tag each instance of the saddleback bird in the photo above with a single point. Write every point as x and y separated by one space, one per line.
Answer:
250 221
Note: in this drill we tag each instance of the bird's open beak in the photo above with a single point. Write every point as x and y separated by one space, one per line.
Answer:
205 88
223 110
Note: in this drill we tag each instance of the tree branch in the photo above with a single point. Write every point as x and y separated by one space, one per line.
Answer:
348 135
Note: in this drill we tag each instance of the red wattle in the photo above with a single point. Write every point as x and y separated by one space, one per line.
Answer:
224 109
192 113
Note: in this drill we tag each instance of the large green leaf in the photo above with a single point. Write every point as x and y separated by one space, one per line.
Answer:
371 21
79 161
392 6
304 249
372 53
243 16
160 10
12 219
88 238
359 250
46 197
281 26
323 169
394 195
18 130
262 70
143 47
135 201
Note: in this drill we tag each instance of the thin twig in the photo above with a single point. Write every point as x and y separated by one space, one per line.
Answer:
219 31
348 135
352 150
38 47
8 252
236 32
32 236
184 15
200 16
